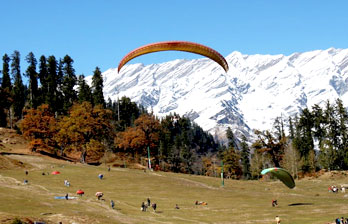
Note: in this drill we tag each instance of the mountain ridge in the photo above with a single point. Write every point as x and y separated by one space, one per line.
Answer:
257 88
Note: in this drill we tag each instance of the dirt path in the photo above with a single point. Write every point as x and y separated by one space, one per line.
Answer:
196 183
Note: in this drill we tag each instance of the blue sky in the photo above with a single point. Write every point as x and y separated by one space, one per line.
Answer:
100 32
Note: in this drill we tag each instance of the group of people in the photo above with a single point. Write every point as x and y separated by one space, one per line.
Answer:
341 220
335 189
144 205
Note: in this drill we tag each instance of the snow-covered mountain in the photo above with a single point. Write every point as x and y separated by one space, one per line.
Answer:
256 89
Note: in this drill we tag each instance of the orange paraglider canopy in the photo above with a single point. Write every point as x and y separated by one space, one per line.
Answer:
176 46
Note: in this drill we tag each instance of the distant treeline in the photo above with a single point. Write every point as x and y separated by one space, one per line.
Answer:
59 118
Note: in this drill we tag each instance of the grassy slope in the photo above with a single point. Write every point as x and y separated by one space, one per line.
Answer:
236 202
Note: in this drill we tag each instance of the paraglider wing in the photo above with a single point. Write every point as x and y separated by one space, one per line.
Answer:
80 192
176 46
282 175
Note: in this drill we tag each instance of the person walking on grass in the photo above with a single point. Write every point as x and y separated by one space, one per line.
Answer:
112 203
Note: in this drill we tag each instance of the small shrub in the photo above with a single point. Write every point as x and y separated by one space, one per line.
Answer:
17 221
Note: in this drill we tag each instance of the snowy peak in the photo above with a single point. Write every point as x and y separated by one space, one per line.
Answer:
256 89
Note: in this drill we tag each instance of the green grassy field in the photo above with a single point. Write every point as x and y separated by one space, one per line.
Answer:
236 202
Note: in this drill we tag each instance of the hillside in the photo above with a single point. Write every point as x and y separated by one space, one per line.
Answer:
236 202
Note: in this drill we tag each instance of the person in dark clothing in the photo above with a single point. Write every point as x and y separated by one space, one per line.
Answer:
26 172
143 207
66 196
177 206
338 221
112 203
154 206
148 202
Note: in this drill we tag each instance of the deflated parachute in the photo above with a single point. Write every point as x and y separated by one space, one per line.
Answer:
176 46
282 175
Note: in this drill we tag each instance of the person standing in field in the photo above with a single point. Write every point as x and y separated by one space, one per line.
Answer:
154 206
143 207
112 203
148 202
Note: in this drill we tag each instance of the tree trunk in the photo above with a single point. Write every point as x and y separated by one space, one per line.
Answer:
83 156
10 117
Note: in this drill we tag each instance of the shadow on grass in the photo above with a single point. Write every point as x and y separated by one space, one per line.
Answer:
297 204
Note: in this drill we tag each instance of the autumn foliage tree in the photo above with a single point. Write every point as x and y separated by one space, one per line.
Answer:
145 133
38 126
84 130
232 165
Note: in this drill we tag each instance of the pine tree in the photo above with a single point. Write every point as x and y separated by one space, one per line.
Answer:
332 143
18 87
342 118
59 91
109 104
245 154
291 129
97 88
69 82
3 99
84 91
127 113
318 123
304 141
33 85
51 97
232 142
305 126
43 76
6 88
6 80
